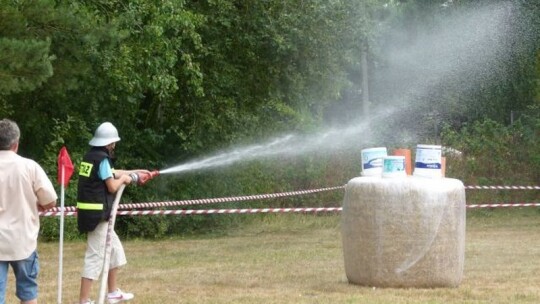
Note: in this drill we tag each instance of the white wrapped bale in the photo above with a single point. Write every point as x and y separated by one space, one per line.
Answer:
404 232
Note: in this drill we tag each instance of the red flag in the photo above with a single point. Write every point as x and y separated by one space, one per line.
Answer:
65 162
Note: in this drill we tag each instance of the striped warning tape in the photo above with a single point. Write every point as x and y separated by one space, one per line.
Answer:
264 210
263 196
503 187
212 200
503 205
231 211
211 211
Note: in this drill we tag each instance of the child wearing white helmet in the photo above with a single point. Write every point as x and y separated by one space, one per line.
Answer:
98 184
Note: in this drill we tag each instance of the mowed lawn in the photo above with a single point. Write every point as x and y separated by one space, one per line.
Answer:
288 258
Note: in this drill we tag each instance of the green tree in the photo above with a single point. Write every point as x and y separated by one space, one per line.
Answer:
67 33
25 58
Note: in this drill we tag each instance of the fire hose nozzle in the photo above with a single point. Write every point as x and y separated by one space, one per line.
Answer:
145 177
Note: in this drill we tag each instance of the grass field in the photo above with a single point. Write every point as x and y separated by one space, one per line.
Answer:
289 258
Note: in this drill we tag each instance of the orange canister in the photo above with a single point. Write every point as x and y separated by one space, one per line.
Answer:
407 154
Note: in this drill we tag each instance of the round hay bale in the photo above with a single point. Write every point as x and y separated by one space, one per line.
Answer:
404 232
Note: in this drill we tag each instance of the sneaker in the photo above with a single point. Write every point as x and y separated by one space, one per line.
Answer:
88 302
119 296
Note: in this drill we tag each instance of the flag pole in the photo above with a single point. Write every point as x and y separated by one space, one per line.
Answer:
61 245
65 170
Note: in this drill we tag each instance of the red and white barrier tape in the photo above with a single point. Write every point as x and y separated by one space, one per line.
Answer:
266 210
231 211
212 211
57 213
503 187
264 196
212 200
503 205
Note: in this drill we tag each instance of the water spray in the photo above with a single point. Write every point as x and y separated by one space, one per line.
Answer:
289 145
442 60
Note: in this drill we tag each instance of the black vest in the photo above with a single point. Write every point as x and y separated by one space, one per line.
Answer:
94 202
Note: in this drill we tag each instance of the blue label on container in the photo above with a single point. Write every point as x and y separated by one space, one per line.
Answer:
373 163
428 165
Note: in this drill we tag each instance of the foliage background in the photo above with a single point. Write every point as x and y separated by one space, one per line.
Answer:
185 79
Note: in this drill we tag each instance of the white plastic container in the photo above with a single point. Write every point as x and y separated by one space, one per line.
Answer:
394 166
372 161
428 161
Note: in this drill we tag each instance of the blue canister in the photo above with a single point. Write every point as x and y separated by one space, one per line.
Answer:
428 161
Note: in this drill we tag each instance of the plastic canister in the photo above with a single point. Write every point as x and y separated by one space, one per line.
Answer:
428 161
394 166
372 163
407 154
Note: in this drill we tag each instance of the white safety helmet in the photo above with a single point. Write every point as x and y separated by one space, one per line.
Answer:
105 134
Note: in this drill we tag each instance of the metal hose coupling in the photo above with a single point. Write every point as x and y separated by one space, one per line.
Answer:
134 178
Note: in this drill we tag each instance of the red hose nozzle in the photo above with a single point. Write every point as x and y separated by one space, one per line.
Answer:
145 177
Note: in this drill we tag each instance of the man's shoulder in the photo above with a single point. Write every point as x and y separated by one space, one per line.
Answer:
26 164
23 160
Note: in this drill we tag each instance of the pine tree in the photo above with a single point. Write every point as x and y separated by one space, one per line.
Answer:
25 64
